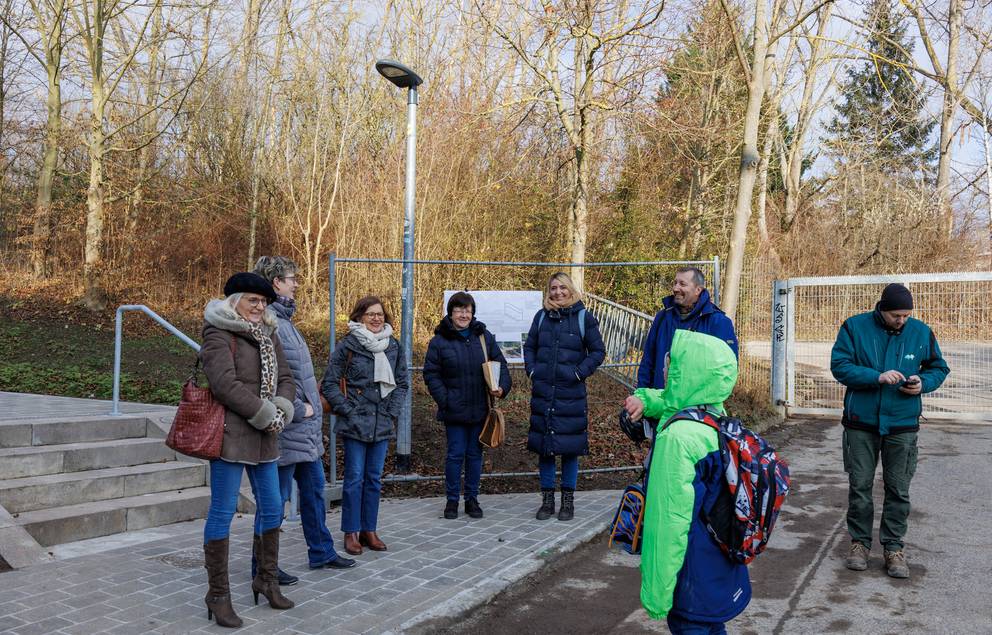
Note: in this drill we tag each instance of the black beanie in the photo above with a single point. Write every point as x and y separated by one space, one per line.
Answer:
245 282
896 297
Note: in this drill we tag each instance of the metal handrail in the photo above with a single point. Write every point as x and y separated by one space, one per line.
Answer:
118 334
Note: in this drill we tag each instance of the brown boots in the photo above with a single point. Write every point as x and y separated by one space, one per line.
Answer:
218 598
351 543
267 581
371 540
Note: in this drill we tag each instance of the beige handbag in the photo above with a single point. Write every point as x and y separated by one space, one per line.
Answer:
494 429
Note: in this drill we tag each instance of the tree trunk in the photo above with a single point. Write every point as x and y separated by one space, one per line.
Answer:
988 177
94 296
52 42
947 119
749 163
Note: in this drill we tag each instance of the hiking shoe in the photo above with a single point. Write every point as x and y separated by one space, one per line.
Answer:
857 558
547 509
451 510
472 508
895 564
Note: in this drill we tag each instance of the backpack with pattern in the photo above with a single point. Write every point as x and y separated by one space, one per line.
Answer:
757 482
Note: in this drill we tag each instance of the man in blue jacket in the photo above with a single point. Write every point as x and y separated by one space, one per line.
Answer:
886 359
690 308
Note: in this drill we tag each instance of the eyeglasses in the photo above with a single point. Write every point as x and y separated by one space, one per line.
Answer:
256 302
289 278
375 315
463 310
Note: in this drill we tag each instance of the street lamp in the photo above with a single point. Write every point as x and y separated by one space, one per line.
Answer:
404 77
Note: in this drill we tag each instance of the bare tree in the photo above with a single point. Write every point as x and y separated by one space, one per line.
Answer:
593 31
765 34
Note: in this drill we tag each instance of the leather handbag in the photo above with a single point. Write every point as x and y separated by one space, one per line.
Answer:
198 429
494 429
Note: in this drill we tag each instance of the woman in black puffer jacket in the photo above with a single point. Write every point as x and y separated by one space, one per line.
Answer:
562 350
453 374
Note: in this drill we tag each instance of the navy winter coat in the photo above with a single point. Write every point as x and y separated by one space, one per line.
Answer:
302 440
705 317
453 372
558 361
364 415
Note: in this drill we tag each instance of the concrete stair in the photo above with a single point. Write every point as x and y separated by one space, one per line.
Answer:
64 480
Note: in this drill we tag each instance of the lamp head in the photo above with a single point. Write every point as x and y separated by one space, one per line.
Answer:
399 74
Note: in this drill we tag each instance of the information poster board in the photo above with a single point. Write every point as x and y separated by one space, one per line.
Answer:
507 315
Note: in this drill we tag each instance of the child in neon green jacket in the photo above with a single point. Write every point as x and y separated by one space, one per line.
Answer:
685 577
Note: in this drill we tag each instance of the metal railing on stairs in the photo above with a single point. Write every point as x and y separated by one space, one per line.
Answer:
624 331
118 336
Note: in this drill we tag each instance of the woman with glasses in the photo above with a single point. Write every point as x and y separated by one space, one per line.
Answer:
301 443
453 374
244 362
365 383
562 350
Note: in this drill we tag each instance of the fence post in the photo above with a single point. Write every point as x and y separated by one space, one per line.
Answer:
779 343
331 304
716 283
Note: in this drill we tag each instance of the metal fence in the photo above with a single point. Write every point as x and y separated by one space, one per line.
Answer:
634 283
807 312
624 332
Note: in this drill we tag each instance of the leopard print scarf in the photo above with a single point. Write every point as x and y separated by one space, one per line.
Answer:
270 367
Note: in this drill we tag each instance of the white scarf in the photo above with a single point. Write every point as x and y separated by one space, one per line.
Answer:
377 343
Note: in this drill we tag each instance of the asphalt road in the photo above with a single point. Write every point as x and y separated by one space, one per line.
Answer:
800 583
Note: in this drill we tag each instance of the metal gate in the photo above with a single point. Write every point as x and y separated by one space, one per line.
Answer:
807 313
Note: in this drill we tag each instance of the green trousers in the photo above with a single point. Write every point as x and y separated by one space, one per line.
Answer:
861 452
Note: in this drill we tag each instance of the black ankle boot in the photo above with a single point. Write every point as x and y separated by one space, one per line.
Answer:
547 509
451 510
567 510
472 508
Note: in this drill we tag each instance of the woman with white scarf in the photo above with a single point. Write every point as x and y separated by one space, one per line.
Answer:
365 384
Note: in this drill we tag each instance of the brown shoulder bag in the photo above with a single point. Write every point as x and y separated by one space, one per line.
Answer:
198 429
494 429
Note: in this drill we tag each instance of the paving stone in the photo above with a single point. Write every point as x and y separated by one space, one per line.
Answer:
42 627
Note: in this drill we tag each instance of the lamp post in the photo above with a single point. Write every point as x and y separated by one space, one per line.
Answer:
404 77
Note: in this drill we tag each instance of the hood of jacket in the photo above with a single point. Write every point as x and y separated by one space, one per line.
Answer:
702 306
220 314
447 329
702 371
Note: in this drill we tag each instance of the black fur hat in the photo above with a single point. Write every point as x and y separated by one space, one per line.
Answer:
245 282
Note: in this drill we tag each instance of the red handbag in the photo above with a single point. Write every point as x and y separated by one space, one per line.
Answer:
198 429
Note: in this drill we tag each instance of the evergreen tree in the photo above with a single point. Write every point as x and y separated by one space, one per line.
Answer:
879 116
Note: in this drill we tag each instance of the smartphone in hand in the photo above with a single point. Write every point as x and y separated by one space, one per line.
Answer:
910 382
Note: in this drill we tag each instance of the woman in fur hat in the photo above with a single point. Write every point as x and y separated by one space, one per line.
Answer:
248 373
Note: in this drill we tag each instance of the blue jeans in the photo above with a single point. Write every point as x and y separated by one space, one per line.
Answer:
569 471
681 626
463 448
313 510
225 482
362 484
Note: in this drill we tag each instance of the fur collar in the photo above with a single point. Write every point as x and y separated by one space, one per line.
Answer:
220 314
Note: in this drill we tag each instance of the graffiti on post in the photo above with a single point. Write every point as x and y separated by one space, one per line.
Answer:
779 322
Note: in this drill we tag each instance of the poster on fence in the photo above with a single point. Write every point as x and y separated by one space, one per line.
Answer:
507 315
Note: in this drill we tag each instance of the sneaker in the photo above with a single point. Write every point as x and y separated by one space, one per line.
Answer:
857 558
472 508
451 510
895 564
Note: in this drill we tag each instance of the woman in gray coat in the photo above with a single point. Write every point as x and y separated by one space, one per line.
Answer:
301 443
365 383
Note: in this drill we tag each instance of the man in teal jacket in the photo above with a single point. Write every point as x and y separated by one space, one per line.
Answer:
886 359
685 576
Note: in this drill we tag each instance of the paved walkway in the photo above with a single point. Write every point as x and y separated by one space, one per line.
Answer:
153 581
25 406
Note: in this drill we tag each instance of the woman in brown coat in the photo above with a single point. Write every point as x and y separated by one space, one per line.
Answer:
248 373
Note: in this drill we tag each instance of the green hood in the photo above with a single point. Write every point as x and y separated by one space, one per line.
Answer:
702 371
